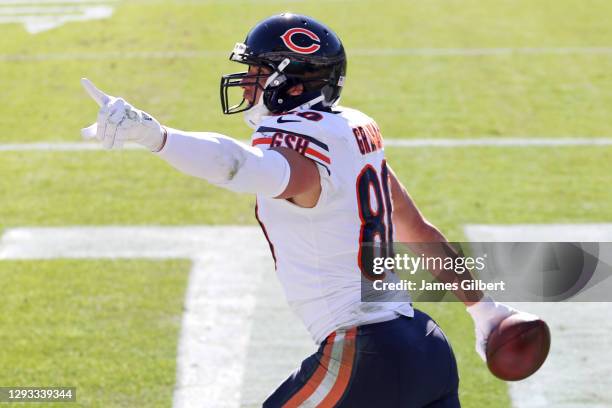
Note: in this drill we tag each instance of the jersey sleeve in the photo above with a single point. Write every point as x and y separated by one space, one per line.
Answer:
303 135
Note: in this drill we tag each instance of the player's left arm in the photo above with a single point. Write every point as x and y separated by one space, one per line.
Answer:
411 227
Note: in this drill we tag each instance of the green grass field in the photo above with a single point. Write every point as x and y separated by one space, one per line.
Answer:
110 328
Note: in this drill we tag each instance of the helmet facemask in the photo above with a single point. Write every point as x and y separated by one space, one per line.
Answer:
254 112
241 80
232 84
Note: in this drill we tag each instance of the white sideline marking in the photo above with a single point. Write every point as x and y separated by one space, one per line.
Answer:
500 142
363 52
127 55
216 324
39 16
58 147
479 52
416 143
578 371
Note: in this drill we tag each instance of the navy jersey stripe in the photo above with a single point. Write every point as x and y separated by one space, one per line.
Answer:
321 164
311 139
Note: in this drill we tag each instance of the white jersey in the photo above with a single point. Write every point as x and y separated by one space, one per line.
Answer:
317 250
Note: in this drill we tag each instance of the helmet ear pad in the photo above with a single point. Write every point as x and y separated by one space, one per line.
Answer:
330 92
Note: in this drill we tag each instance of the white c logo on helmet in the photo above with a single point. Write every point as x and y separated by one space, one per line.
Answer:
287 39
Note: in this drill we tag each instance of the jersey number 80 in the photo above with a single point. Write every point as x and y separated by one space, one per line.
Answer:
376 234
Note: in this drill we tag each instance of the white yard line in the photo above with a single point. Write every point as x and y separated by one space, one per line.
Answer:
363 52
578 371
442 143
228 263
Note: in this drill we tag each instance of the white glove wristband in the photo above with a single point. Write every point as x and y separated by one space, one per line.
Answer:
487 315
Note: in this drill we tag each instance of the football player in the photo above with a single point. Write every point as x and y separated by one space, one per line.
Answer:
324 191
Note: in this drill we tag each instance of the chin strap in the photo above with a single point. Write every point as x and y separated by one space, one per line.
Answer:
312 102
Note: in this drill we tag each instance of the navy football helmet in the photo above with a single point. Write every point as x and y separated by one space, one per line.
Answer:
295 49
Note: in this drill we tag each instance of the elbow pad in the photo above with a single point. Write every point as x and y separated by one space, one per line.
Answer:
227 163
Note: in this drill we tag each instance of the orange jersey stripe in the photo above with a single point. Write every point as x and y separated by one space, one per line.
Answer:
346 367
313 383
318 155
261 140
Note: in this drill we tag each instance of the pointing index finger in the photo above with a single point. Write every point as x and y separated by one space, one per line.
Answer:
97 95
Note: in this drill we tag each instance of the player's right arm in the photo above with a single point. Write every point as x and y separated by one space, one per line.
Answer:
304 187
277 172
221 160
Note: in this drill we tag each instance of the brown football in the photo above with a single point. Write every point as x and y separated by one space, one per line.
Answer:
518 347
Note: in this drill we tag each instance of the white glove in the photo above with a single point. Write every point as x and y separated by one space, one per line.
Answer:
120 122
487 315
